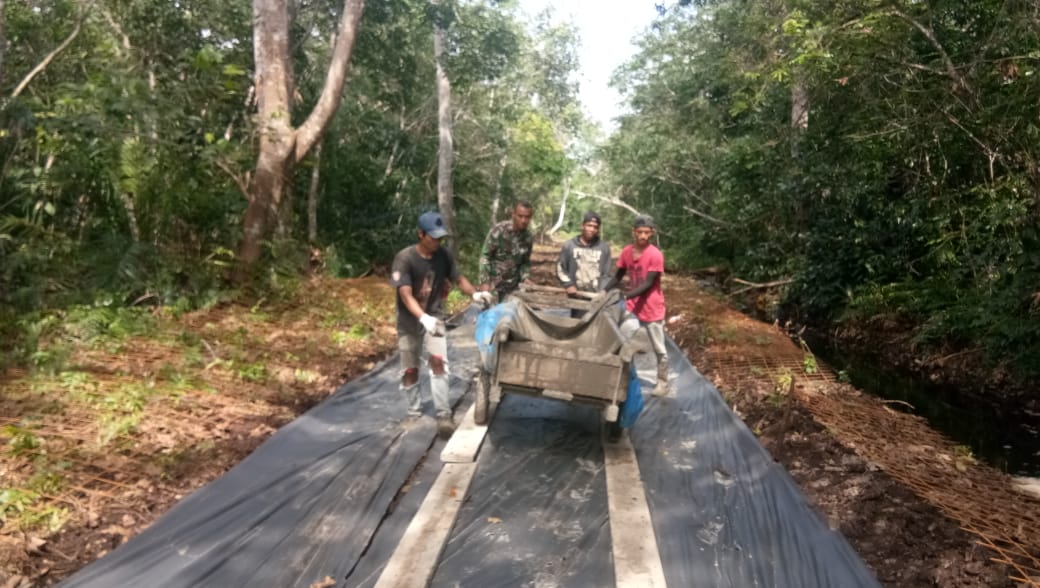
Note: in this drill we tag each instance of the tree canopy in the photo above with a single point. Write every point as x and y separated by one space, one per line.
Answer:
884 155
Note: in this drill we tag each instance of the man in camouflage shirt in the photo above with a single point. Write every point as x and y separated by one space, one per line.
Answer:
505 260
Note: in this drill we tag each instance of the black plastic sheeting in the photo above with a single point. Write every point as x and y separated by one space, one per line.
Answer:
330 495
537 508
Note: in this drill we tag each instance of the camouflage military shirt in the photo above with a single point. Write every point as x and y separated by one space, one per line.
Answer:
505 260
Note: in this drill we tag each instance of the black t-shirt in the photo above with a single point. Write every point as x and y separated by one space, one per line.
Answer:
431 281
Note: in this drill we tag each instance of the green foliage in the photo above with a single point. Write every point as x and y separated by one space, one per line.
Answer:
21 441
910 191
809 364
126 160
255 372
17 509
14 502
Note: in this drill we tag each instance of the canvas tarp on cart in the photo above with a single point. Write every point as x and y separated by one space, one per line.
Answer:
330 494
597 332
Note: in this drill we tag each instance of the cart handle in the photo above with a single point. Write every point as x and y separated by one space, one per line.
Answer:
556 290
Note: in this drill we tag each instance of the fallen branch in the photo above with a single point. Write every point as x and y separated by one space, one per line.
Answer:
755 286
904 403
614 201
50 56
241 180
707 216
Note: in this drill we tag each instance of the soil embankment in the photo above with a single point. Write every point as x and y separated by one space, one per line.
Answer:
916 506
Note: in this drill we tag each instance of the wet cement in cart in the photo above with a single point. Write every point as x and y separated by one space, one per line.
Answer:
330 496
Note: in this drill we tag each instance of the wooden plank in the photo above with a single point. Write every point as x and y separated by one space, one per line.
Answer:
414 562
552 301
465 441
555 290
637 562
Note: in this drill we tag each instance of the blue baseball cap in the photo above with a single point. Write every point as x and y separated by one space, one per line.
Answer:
432 224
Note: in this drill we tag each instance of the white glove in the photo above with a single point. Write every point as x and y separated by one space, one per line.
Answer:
432 325
484 299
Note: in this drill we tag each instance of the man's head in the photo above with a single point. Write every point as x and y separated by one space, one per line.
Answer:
431 229
522 215
642 230
590 227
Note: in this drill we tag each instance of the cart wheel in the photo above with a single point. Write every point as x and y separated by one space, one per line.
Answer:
614 430
480 405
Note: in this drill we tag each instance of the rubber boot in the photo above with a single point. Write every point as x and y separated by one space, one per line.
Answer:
445 425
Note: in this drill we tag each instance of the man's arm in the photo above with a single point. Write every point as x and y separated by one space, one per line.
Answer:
646 285
525 264
467 288
613 283
487 254
410 302
565 269
604 264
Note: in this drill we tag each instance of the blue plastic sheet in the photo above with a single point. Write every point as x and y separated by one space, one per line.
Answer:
633 405
484 334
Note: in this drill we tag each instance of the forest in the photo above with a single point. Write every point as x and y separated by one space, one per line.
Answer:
879 158
869 169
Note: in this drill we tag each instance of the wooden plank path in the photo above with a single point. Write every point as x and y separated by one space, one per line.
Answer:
637 562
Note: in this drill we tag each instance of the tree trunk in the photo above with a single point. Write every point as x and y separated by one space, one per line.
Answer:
799 124
799 105
277 137
563 209
312 198
283 226
272 169
282 146
496 202
446 148
3 38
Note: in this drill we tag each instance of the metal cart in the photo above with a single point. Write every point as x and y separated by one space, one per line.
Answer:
543 353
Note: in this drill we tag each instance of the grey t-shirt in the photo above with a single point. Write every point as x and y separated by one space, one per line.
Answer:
585 266
431 281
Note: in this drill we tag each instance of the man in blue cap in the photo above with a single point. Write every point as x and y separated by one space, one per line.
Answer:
423 275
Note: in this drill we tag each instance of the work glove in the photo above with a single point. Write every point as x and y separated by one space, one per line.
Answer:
432 325
484 299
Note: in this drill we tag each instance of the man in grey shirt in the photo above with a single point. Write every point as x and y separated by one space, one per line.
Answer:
584 263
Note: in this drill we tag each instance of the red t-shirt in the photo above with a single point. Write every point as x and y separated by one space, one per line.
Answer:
649 306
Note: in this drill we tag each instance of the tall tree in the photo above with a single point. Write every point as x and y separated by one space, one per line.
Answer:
282 146
446 142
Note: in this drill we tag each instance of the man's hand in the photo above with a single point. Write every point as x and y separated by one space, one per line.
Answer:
484 299
572 290
432 325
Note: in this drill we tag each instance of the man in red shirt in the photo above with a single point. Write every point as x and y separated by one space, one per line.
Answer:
644 265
